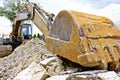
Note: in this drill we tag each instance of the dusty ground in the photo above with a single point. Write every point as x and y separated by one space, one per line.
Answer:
25 54
28 52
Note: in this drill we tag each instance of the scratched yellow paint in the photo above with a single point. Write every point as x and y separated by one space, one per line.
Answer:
90 40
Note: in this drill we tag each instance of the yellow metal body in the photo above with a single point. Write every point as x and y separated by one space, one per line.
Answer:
90 40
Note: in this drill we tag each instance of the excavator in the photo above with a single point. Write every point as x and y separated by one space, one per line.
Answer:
24 33
7 46
86 39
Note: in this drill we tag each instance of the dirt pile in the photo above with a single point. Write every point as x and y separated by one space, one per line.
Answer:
22 57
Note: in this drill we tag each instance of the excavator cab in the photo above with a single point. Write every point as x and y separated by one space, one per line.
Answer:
27 31
20 33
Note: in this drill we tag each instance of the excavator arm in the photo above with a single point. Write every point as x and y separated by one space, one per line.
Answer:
41 18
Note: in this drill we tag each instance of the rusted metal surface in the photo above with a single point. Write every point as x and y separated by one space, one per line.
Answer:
90 40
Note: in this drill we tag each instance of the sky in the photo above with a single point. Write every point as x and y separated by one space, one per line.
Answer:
108 8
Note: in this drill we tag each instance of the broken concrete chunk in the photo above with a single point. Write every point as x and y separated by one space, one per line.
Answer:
58 77
111 75
69 71
32 72
48 60
53 65
94 75
83 77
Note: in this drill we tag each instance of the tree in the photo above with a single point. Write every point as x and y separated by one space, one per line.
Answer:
39 36
34 36
11 7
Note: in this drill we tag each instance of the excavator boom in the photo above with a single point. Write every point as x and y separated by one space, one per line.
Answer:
41 18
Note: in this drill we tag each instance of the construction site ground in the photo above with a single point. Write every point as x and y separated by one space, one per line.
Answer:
32 61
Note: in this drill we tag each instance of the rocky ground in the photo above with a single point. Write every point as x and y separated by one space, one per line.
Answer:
32 61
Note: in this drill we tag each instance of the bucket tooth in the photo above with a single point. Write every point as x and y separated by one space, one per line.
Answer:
115 63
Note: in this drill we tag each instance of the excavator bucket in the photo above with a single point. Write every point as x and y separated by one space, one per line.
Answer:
90 40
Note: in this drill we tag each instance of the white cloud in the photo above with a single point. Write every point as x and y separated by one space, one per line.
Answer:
108 8
5 25
111 11
56 6
1 2
98 4
36 30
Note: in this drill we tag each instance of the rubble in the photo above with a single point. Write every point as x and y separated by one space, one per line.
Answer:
32 61
87 75
94 75
58 77
22 57
33 72
111 75
53 65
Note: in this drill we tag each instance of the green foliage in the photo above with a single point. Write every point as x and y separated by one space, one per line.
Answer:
10 15
38 36
2 11
12 7
34 36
